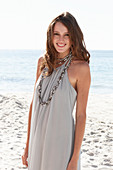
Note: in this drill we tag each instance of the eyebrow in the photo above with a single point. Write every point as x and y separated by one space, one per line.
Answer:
64 32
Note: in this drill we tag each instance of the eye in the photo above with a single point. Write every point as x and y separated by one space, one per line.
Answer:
66 34
56 34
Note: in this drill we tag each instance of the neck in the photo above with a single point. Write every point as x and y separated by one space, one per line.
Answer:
62 55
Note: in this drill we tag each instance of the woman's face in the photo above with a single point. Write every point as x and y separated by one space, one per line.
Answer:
61 40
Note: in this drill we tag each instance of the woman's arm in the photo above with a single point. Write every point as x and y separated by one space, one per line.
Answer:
25 154
83 85
38 72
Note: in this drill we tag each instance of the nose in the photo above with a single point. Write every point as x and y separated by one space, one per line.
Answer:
61 38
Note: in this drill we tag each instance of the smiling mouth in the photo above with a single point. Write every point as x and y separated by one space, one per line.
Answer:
60 45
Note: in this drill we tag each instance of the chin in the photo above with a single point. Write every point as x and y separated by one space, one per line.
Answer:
62 51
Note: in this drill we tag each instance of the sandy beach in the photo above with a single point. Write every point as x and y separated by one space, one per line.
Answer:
97 146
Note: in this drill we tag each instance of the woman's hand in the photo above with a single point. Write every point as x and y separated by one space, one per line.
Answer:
24 157
72 165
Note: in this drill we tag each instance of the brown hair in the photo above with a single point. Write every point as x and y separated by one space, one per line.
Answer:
76 37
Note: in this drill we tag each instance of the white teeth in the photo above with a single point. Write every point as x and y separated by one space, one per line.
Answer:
61 45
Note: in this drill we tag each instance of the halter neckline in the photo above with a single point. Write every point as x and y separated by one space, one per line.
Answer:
60 66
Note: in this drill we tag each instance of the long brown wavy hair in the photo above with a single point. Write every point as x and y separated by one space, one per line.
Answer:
78 46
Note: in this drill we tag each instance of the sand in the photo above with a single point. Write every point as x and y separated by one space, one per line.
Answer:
97 146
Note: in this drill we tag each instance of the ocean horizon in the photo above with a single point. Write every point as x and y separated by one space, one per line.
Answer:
18 70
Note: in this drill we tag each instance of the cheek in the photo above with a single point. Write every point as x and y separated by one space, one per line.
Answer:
54 40
69 42
54 43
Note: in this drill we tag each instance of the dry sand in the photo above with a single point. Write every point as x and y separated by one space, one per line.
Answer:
97 146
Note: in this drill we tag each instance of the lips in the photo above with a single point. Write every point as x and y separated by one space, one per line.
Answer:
60 45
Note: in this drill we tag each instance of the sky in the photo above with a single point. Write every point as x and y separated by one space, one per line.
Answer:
24 23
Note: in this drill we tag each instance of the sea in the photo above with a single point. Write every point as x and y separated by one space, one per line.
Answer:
18 70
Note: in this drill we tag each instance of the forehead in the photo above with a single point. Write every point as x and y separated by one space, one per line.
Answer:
60 27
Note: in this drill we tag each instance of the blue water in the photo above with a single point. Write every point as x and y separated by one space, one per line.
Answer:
18 70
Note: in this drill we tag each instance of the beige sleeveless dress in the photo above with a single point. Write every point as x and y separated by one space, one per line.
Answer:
52 131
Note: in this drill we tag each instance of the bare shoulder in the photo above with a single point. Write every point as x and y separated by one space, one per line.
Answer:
80 68
40 60
83 68
39 63
83 72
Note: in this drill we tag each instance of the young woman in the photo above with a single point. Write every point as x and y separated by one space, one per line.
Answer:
63 78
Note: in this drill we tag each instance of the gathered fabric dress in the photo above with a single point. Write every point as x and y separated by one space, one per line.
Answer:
52 131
